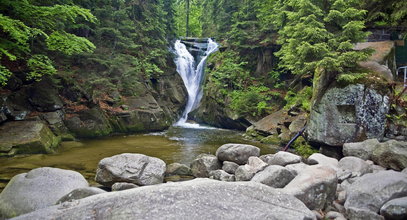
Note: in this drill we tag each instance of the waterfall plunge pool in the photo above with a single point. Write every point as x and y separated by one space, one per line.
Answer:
177 144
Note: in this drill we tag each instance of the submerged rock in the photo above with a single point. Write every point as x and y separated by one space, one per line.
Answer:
37 189
196 199
132 168
204 164
238 153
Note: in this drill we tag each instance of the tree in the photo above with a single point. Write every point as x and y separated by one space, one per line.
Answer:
29 30
188 15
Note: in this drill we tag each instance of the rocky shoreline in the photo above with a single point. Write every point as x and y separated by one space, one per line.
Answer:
370 182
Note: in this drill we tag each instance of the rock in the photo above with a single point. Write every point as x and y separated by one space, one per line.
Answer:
89 123
123 186
80 193
355 166
238 153
196 199
395 209
377 168
266 157
362 150
283 158
178 169
204 164
132 168
315 186
323 160
270 124
318 215
26 137
297 168
44 96
350 114
246 172
404 171
334 215
274 176
361 214
372 190
230 167
221 175
391 154
37 189
297 124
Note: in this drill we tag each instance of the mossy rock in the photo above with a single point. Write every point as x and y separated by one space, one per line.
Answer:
89 123
272 139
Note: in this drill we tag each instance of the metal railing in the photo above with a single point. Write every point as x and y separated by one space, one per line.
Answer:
405 74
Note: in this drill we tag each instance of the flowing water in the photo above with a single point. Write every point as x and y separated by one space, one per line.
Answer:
192 75
174 145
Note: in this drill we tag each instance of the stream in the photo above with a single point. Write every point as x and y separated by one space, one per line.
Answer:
177 144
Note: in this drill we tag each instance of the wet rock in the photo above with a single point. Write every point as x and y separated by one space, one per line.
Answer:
274 176
362 150
247 171
196 199
372 190
123 186
221 175
230 167
315 186
283 158
132 168
350 114
80 193
26 137
391 154
178 169
238 153
37 189
395 209
204 164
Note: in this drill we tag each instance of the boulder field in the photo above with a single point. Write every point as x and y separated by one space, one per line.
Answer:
236 183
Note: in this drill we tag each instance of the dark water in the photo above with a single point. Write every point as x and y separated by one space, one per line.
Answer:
174 145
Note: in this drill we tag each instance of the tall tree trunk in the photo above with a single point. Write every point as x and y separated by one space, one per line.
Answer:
187 23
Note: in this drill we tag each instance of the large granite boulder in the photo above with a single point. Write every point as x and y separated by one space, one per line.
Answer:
37 189
318 158
391 154
350 114
274 176
315 186
354 167
196 199
26 137
362 150
247 171
132 168
395 209
371 191
238 153
204 164
282 158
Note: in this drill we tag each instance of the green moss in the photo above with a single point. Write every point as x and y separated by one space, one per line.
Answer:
300 99
302 148
272 139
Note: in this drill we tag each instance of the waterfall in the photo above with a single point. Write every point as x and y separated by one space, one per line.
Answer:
192 75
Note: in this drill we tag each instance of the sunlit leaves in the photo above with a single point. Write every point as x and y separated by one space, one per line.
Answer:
69 44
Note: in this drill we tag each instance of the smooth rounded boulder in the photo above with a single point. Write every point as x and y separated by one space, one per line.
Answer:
395 209
139 169
274 176
204 164
37 189
238 153
195 199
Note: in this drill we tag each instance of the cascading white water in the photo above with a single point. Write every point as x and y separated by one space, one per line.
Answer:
192 75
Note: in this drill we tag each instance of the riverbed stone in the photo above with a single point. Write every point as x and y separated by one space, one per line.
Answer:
123 186
371 191
132 168
318 158
283 158
37 189
238 153
204 164
297 168
80 193
230 167
274 176
354 166
395 209
221 175
391 154
26 137
362 150
178 169
247 171
196 199
315 186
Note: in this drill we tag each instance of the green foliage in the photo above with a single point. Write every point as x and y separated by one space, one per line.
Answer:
195 13
252 101
301 99
350 78
40 65
69 44
302 148
4 75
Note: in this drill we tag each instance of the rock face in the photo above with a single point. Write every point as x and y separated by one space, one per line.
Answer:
80 194
371 191
274 176
349 114
395 209
132 168
25 137
391 154
196 199
362 150
238 153
204 164
37 189
315 186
